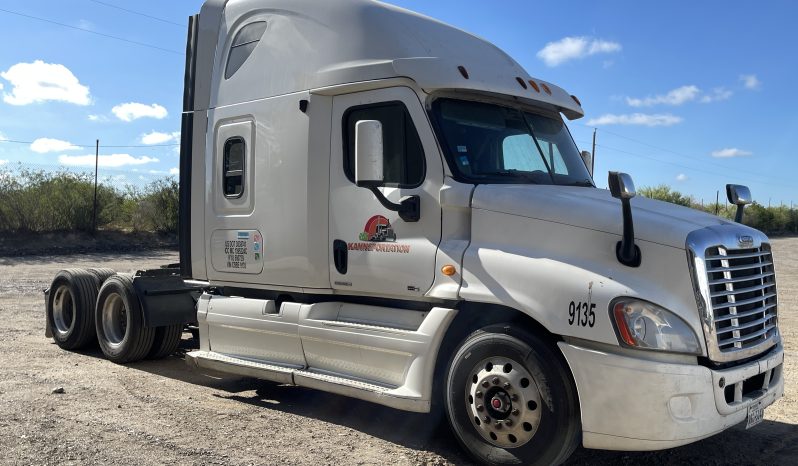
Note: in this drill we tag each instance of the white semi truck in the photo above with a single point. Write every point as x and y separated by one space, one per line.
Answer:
379 205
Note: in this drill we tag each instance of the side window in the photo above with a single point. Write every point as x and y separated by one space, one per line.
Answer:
404 164
244 43
233 167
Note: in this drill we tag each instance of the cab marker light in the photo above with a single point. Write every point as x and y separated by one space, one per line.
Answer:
576 100
463 71
534 86
521 82
448 270
545 88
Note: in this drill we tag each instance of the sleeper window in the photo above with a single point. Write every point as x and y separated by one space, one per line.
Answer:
233 167
404 164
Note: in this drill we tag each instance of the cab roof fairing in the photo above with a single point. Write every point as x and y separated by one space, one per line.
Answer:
320 43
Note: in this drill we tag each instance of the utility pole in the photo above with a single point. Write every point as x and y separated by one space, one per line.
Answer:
96 167
593 159
717 201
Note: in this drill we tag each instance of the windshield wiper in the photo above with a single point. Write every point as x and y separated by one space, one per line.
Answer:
518 174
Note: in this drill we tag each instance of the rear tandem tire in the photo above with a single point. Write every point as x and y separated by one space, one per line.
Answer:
70 308
102 274
119 321
166 341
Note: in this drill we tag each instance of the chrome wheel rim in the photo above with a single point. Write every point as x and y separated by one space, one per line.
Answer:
114 319
504 402
63 310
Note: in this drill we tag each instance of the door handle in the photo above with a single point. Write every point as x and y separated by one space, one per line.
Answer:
340 256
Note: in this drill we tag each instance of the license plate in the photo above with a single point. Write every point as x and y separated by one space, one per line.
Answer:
756 412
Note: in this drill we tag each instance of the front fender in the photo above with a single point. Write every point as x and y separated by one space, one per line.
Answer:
540 268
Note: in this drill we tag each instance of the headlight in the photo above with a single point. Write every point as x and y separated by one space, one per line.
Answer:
643 325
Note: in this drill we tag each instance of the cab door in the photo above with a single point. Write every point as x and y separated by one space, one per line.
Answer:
374 251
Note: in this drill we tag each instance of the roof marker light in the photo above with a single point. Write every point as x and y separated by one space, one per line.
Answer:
576 100
463 71
534 85
521 82
545 88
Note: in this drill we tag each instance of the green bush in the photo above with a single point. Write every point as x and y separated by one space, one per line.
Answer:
770 220
42 201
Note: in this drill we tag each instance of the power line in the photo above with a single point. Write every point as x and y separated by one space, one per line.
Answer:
92 145
122 39
109 5
692 158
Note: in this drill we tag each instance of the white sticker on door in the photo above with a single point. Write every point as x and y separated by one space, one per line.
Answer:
237 251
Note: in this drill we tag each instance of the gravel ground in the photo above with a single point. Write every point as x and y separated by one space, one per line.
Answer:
160 412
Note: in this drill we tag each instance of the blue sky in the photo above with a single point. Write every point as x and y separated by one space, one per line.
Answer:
690 94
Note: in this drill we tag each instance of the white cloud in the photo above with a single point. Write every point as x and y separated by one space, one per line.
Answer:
98 118
42 82
750 81
108 161
675 97
133 111
640 119
718 94
3 162
155 137
731 152
571 48
3 137
45 145
681 177
174 171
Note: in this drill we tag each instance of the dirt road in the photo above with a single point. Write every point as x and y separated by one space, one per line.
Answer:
161 412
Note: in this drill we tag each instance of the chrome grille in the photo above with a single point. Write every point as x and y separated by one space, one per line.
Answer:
742 290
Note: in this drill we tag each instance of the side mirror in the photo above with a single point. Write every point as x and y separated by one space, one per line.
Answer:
621 185
368 154
369 174
740 196
587 157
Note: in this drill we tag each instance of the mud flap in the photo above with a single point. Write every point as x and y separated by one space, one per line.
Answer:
48 331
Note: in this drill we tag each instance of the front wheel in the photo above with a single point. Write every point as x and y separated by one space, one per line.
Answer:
510 399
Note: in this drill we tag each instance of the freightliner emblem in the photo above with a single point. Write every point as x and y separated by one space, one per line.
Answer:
745 241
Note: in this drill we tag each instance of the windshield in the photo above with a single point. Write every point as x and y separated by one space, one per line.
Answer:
488 143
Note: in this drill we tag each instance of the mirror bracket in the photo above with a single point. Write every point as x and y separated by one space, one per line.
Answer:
409 208
622 187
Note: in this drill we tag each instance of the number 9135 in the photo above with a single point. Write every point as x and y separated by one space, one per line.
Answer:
582 314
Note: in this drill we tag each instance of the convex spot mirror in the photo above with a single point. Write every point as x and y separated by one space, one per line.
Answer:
368 154
738 194
621 185
587 157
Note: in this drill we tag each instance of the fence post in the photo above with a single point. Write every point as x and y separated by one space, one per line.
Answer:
96 167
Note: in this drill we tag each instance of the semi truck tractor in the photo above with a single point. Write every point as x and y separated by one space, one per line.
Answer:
379 205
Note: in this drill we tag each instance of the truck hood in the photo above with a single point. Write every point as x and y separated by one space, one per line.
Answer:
595 209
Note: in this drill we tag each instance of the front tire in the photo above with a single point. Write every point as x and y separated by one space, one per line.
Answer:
510 399
120 322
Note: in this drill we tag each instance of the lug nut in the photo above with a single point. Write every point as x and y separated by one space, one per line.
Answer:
479 394
485 384
514 397
506 385
508 422
480 407
498 424
495 381
486 419
515 412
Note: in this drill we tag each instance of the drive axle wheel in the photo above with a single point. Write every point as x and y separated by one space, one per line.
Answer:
120 322
511 400
70 308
